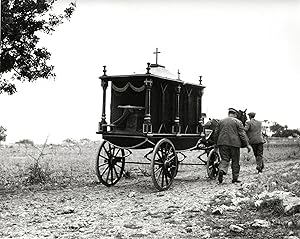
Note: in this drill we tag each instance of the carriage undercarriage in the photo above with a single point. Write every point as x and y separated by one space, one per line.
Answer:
163 158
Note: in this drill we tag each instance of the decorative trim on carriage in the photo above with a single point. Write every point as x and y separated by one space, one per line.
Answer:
147 128
123 89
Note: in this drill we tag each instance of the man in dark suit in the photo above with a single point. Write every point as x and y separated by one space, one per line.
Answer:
229 137
254 133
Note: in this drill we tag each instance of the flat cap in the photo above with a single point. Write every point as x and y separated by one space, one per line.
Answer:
232 110
251 114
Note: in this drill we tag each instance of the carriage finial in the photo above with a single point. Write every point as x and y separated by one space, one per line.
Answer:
200 80
148 68
178 74
104 70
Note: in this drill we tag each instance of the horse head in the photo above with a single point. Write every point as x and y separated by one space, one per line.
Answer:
242 116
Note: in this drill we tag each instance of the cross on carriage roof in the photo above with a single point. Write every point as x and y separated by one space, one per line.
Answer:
154 69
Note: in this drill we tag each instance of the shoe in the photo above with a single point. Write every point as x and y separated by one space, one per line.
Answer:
236 181
220 177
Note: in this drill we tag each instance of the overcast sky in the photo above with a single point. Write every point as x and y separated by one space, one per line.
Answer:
248 53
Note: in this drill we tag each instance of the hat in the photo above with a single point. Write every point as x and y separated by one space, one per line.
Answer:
251 114
232 110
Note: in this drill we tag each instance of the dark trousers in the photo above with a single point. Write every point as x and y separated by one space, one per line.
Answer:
258 150
228 153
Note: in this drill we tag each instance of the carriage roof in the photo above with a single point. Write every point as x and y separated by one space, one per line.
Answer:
155 71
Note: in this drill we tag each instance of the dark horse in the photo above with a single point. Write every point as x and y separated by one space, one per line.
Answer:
242 116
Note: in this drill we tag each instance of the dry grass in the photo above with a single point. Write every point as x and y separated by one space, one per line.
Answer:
61 165
279 178
64 165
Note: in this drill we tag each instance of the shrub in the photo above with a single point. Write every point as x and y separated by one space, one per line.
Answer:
72 143
2 134
26 142
37 173
272 205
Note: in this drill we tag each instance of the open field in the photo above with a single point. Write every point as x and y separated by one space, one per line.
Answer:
74 165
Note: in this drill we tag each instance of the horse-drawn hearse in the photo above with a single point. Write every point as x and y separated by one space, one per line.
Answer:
157 111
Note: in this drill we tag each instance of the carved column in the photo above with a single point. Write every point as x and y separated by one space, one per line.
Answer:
104 84
176 128
147 125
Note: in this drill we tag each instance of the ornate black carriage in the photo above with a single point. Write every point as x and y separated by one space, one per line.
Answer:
154 110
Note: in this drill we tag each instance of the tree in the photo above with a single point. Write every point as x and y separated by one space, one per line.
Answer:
288 133
25 142
283 131
21 57
2 134
276 128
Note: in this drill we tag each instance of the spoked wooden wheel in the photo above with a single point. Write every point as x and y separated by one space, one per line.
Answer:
212 165
110 164
164 164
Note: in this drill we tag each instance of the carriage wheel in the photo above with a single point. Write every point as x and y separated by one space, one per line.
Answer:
164 164
212 165
110 164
